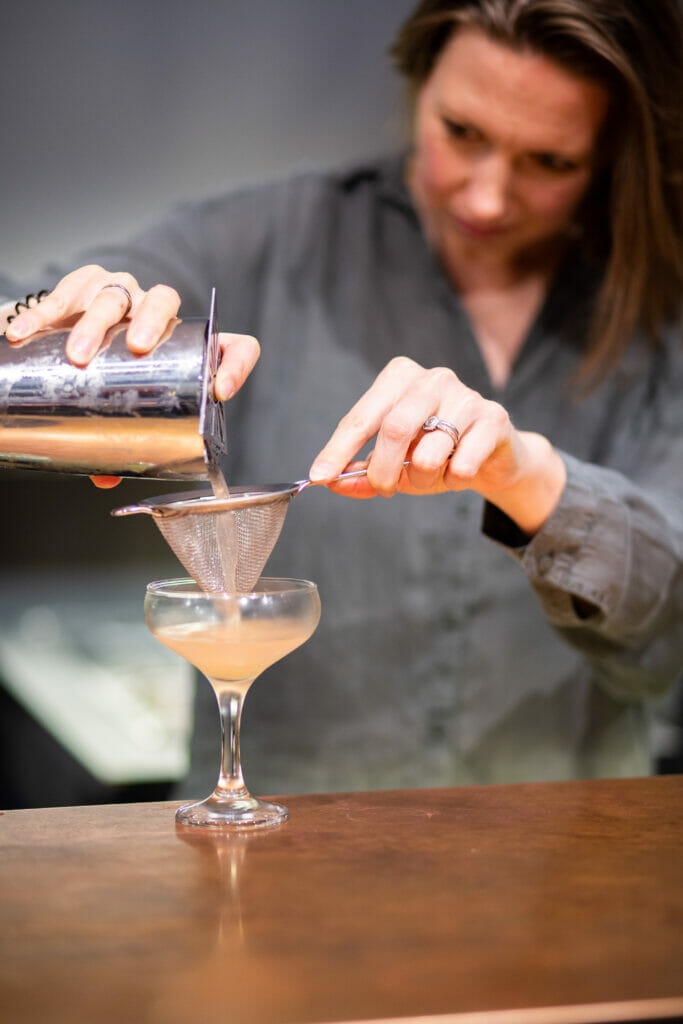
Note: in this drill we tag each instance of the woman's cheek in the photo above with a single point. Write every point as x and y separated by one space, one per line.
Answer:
435 170
562 201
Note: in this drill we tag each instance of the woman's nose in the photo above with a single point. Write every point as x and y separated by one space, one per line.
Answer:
488 188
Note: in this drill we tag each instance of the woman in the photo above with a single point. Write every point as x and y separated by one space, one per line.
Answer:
528 246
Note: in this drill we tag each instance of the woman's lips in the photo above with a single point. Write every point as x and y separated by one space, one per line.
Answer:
473 230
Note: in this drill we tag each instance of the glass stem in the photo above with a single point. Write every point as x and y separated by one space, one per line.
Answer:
230 781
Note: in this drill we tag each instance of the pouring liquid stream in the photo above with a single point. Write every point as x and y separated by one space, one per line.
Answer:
226 531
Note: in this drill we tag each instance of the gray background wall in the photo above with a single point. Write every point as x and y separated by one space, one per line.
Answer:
111 110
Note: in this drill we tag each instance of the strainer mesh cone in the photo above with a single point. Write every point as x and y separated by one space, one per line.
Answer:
226 550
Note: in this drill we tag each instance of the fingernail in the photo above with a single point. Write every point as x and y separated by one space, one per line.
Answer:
320 471
224 389
79 348
141 339
21 327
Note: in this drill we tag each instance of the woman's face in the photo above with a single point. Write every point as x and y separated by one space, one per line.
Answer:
504 149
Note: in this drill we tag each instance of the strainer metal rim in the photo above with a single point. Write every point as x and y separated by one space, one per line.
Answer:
205 502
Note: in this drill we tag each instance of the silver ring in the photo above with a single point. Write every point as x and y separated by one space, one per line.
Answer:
121 288
434 423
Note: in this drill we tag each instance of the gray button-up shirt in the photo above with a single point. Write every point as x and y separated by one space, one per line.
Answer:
447 653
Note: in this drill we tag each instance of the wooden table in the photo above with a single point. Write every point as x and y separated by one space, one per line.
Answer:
496 905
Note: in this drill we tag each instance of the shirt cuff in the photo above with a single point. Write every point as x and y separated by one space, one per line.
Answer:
577 562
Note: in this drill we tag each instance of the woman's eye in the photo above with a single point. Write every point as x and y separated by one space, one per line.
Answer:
457 130
554 163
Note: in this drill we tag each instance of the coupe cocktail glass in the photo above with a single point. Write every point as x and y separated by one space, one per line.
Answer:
231 639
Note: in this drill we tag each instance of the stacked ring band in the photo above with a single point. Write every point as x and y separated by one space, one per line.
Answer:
434 423
121 288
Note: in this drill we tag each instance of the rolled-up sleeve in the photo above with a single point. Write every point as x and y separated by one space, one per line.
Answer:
607 569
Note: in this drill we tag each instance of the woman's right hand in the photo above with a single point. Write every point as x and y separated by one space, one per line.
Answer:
85 302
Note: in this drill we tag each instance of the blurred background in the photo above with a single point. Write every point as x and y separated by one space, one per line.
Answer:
113 111
110 114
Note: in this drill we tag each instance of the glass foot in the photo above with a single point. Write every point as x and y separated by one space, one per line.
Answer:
218 811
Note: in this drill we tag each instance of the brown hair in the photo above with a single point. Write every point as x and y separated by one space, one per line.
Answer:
633 215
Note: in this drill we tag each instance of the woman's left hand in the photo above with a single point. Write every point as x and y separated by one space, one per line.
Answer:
518 471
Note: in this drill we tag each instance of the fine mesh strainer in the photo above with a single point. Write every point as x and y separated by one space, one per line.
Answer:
223 542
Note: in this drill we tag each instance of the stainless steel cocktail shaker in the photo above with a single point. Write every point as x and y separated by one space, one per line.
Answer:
122 415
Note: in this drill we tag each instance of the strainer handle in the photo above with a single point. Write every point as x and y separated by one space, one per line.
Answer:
349 475
130 510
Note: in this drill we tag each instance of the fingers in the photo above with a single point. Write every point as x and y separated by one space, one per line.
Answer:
149 312
396 408
150 316
94 300
103 308
487 455
105 482
401 434
239 355
353 487
66 300
365 418
86 299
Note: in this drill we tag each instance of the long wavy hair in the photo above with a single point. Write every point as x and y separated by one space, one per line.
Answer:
632 217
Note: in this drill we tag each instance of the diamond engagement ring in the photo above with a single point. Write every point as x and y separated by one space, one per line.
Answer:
434 423
121 288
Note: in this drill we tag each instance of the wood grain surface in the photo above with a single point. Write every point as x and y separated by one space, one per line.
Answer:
524 904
